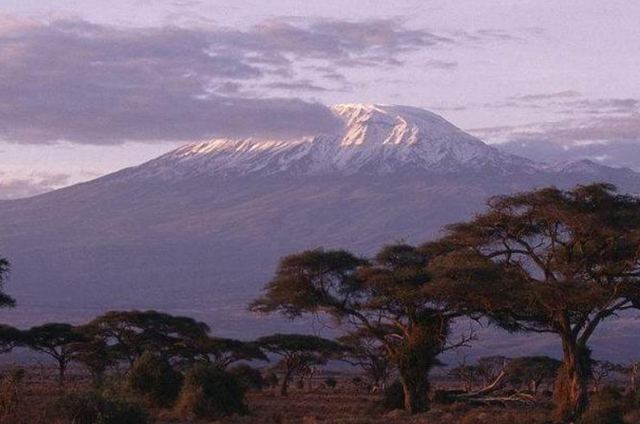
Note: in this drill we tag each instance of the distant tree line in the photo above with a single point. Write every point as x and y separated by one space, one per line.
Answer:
552 261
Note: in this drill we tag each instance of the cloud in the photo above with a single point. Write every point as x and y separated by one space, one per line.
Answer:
86 83
14 188
546 96
612 140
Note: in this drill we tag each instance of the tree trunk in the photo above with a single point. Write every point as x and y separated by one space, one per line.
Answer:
284 386
571 390
286 378
415 386
62 368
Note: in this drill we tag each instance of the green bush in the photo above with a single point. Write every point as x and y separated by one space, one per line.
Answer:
95 409
154 380
249 377
209 392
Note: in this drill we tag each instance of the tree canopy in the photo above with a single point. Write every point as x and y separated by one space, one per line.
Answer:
392 298
552 261
299 351
54 340
132 333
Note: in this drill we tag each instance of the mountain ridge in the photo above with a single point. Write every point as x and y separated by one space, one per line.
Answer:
187 237
376 139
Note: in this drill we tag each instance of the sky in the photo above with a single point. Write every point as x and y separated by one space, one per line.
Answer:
88 87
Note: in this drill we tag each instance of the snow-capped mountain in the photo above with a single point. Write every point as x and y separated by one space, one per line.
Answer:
375 139
199 231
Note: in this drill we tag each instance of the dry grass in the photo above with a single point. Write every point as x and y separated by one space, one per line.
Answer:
344 405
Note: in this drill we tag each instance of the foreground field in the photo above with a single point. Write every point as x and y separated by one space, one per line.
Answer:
35 401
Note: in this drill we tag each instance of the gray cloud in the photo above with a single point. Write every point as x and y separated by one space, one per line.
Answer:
612 140
86 83
547 96
14 188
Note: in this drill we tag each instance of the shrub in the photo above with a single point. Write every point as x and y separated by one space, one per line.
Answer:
607 406
393 397
331 383
10 391
271 379
250 378
209 392
154 380
95 409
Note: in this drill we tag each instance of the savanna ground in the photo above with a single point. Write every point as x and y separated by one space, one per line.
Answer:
35 400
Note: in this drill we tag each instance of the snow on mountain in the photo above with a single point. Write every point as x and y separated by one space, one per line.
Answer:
375 139
199 231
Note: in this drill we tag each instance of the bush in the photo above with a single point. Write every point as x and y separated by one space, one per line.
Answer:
331 383
250 378
95 409
607 406
209 392
10 391
154 380
393 397
271 379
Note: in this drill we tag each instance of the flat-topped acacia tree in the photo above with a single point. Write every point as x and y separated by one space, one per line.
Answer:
297 352
550 261
132 333
390 299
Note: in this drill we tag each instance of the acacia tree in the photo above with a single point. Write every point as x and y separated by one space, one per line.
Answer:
390 299
54 340
298 352
550 261
532 370
224 352
96 355
10 337
132 333
367 353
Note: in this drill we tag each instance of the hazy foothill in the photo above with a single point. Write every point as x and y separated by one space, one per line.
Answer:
546 261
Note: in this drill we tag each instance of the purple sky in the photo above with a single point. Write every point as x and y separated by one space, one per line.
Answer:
86 89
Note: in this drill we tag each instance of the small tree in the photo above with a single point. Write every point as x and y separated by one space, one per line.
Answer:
467 374
533 370
367 353
551 261
392 298
297 352
132 333
10 337
5 300
54 340
96 356
600 371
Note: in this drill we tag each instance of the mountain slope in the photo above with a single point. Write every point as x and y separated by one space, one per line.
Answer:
199 230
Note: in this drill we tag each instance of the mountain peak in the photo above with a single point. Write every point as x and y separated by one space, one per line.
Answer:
375 138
